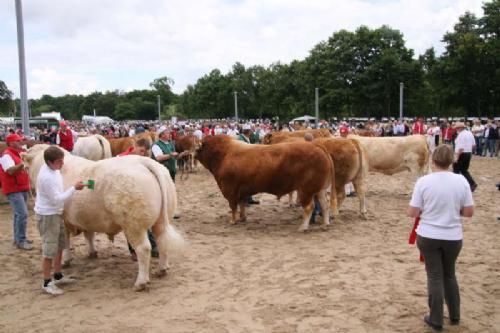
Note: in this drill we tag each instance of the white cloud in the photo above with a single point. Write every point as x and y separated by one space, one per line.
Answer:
79 46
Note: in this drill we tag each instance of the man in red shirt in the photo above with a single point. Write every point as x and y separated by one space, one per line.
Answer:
418 126
65 137
15 185
140 148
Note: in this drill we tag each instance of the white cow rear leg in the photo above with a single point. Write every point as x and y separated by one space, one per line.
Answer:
142 248
89 237
161 239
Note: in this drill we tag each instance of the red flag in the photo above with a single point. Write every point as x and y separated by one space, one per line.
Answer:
413 235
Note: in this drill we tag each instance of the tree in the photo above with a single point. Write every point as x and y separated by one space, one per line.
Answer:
6 103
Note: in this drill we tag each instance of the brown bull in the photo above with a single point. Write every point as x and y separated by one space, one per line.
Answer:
186 143
276 137
120 145
242 170
351 165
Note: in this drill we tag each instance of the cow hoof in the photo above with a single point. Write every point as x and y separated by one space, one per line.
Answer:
324 227
66 264
161 273
92 255
303 229
141 287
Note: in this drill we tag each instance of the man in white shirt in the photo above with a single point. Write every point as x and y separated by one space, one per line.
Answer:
49 205
464 145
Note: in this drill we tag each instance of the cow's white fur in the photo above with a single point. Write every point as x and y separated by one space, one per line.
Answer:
132 193
94 148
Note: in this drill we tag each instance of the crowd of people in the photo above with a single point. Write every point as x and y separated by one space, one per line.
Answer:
486 132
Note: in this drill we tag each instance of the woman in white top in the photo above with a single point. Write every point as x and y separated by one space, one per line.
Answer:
440 199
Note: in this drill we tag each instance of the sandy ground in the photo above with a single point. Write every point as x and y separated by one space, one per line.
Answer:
263 276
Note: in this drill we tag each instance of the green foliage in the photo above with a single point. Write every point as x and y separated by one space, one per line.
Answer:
6 103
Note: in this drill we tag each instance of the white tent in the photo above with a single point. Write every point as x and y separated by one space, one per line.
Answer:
99 120
305 118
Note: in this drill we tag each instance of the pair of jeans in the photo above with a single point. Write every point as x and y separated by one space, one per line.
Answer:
440 257
479 145
19 203
461 166
490 146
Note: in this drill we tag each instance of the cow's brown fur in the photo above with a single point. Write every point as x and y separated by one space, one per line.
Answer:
276 137
186 143
242 170
119 145
351 165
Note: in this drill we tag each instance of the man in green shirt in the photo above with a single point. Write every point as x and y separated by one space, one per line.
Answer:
164 152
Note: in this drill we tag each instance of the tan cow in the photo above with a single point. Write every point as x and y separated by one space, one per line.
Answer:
242 170
132 193
390 155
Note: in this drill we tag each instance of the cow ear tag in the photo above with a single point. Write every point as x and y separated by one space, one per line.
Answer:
90 183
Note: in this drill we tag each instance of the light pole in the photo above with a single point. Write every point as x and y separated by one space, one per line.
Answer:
159 107
236 106
22 69
316 105
401 87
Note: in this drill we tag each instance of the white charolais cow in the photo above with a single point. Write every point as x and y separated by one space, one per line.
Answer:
94 147
132 193
390 155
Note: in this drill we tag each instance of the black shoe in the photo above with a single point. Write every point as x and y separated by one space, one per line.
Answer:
427 320
253 202
454 322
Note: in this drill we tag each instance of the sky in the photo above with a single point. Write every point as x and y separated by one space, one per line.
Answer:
82 46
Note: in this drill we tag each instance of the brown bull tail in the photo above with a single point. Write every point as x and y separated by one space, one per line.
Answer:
333 190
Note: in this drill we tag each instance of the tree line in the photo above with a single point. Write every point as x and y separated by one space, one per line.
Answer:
358 74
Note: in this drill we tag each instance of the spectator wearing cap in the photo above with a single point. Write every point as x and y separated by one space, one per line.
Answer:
164 152
464 145
64 138
15 185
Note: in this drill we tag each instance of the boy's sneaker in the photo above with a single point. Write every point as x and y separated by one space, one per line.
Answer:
52 289
64 280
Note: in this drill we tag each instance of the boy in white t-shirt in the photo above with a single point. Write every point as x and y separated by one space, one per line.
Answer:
49 205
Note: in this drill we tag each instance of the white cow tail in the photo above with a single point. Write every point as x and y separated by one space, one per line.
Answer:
105 147
175 241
